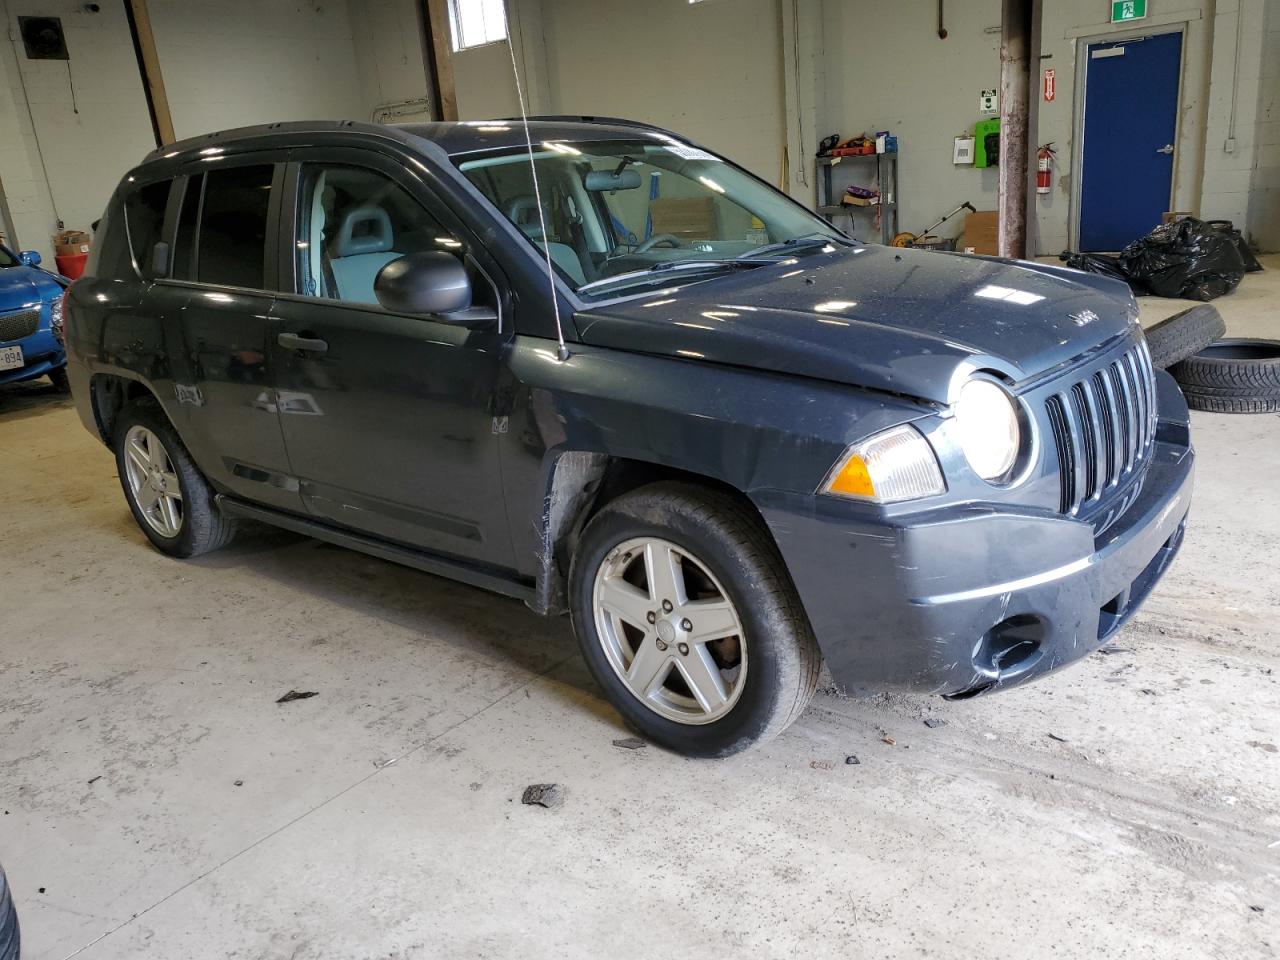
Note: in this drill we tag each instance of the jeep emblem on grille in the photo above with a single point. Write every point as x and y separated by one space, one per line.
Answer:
1083 318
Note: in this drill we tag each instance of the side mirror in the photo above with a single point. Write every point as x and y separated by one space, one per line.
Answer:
30 258
432 282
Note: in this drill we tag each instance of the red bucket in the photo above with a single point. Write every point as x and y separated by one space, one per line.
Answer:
73 266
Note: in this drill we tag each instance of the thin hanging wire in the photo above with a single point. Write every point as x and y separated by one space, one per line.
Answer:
563 351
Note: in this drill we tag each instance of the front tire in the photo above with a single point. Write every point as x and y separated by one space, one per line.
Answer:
168 496
688 619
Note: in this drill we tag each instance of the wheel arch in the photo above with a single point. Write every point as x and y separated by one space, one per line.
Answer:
109 393
580 484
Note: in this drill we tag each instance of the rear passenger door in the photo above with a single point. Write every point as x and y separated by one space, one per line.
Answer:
388 419
222 281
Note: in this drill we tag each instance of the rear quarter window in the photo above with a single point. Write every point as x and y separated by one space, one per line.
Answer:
144 213
109 256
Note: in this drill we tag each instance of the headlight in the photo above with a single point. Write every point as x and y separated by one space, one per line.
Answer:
56 319
896 464
987 424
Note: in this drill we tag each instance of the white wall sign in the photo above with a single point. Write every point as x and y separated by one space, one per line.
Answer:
988 103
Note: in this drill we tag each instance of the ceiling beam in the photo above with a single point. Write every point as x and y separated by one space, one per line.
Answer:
144 47
438 56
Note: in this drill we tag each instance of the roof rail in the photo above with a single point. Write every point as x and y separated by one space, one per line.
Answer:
613 121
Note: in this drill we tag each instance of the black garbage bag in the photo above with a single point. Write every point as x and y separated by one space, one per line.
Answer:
1187 258
1251 264
1104 264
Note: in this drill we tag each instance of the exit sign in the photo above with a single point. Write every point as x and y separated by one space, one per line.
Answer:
1122 10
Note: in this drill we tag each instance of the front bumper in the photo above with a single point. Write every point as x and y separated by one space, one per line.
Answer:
971 598
41 352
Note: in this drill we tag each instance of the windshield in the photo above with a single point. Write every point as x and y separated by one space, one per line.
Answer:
621 213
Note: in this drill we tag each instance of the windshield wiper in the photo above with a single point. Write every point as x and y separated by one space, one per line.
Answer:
666 266
795 244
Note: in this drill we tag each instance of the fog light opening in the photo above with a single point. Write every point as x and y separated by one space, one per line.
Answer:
1011 645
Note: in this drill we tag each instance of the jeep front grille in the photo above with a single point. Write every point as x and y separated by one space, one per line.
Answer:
15 326
1103 428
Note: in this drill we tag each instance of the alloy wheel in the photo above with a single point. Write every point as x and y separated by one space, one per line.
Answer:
669 630
153 483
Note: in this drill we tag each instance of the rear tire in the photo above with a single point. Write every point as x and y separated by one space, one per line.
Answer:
151 460
58 377
737 662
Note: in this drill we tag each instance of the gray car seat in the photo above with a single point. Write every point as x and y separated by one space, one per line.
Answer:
523 212
363 245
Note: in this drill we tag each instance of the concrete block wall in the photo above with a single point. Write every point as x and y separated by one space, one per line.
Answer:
84 121
1231 142
1264 199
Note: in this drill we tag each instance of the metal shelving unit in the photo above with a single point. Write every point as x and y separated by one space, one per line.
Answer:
886 181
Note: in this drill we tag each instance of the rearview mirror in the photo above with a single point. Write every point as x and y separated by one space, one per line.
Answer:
30 258
431 282
599 181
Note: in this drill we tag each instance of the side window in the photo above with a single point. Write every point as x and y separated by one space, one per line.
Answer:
351 223
232 240
144 215
184 244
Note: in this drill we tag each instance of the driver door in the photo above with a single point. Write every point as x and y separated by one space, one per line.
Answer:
387 419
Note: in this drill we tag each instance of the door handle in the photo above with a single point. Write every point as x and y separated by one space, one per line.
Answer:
295 342
1166 149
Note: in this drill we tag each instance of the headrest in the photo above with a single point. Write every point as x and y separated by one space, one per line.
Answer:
523 212
363 230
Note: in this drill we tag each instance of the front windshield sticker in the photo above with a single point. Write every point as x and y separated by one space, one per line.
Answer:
690 153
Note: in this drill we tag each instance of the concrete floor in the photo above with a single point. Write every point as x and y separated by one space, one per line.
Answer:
158 802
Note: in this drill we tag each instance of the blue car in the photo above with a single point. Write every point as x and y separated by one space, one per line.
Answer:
30 320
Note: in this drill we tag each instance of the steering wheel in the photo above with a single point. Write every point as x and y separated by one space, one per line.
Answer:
670 239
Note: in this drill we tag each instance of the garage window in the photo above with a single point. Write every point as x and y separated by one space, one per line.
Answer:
477 22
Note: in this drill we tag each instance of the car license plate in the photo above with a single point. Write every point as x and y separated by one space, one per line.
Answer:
10 357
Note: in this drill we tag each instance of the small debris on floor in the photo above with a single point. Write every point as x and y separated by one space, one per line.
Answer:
1054 736
1108 651
41 890
1260 744
889 740
1257 909
820 764
543 794
1149 692
851 760
380 763
99 777
630 743
298 695
932 722
238 783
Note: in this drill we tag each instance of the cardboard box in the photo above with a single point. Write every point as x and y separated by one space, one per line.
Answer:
981 232
70 243
1169 216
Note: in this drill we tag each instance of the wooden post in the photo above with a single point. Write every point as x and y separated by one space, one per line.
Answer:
438 54
1015 82
144 47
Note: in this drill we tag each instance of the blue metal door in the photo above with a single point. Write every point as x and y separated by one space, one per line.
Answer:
1131 114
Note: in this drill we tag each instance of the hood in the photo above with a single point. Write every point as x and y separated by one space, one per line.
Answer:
23 286
905 321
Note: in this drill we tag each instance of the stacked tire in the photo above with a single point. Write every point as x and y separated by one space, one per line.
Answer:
1235 375
1217 373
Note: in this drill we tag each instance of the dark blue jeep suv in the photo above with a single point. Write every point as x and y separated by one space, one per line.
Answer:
594 366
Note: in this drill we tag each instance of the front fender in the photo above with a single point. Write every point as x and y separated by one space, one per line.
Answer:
746 429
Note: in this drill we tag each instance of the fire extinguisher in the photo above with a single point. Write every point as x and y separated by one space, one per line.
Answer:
1044 157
